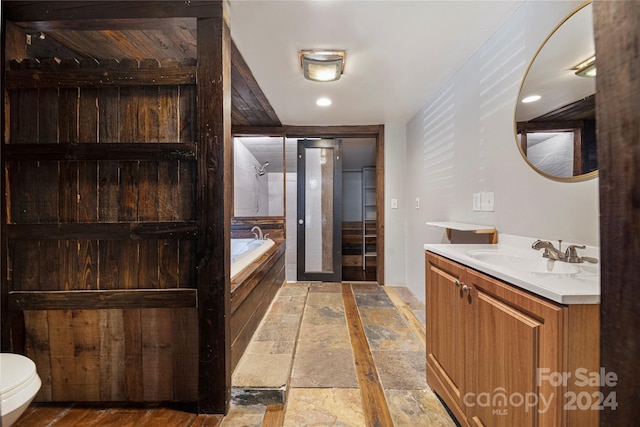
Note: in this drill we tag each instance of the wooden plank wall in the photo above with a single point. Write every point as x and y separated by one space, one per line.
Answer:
273 226
114 216
253 290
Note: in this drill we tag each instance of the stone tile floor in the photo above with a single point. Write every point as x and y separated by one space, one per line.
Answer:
302 353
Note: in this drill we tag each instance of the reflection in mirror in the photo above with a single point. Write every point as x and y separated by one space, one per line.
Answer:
555 114
258 181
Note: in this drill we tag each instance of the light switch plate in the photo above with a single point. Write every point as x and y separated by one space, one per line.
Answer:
487 202
417 202
477 200
394 203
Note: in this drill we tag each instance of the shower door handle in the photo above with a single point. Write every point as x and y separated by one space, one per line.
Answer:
301 221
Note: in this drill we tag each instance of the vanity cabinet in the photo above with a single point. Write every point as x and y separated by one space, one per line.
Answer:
497 355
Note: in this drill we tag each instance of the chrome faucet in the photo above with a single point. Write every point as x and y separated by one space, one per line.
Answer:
257 233
570 255
549 250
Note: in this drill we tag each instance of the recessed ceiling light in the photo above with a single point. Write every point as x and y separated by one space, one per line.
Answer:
323 102
532 98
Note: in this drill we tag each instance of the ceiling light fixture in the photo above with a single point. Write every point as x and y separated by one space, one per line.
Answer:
532 98
322 66
323 102
586 68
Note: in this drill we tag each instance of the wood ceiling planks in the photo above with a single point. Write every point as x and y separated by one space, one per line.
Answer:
140 39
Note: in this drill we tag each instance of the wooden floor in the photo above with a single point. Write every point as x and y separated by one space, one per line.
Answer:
129 415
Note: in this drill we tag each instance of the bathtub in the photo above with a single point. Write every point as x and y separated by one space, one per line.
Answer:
245 251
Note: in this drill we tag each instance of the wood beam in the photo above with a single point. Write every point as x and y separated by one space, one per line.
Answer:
38 78
214 213
102 299
65 15
617 41
360 131
101 151
103 231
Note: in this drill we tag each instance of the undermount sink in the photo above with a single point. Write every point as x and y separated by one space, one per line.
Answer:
530 264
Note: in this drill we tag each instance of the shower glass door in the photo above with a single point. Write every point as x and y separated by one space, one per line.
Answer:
319 210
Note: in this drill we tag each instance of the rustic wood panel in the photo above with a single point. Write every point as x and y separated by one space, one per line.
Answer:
112 353
185 353
120 354
247 312
84 183
69 198
20 78
85 15
102 299
617 38
37 349
241 227
248 98
214 213
157 354
102 151
102 231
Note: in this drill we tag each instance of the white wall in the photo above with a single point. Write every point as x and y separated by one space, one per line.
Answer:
395 230
352 196
291 253
275 193
247 186
462 141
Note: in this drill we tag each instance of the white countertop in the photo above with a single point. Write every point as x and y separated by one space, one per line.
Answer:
581 287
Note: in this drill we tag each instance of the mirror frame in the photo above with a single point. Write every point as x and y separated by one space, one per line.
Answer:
577 178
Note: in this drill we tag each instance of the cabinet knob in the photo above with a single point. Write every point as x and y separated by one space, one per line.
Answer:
465 288
457 283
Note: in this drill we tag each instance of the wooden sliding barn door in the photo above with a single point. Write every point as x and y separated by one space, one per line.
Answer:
99 229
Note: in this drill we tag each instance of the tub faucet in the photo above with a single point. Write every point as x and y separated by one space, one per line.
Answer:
549 250
257 232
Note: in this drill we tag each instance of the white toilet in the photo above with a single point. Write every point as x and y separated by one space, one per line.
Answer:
19 383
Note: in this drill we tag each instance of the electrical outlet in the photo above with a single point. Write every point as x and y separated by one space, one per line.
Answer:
394 203
477 202
487 202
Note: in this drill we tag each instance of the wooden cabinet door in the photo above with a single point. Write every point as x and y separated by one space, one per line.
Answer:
514 336
446 333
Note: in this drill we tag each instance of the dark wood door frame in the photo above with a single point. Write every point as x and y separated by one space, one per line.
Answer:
617 38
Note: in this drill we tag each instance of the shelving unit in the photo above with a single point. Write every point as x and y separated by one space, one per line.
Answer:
369 235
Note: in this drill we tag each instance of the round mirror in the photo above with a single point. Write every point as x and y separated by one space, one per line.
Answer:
555 116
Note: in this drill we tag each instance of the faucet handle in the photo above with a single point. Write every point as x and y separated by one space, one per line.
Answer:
571 255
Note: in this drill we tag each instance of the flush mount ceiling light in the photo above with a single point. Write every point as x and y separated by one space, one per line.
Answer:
322 65
586 68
